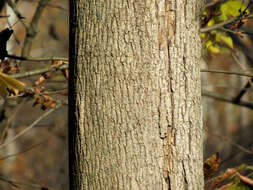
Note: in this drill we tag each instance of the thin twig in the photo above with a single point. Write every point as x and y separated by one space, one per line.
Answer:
61 91
39 71
243 91
228 30
31 31
222 24
21 152
207 5
31 59
18 184
226 72
236 31
30 126
10 119
17 13
49 5
4 16
226 99
233 143
8 181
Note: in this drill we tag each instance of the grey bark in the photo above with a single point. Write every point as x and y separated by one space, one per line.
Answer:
135 99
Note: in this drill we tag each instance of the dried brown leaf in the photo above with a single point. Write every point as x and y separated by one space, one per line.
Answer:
42 79
211 165
65 73
220 179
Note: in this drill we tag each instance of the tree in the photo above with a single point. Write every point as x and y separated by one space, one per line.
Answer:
135 98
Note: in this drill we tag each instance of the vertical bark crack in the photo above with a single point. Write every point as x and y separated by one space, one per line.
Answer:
185 174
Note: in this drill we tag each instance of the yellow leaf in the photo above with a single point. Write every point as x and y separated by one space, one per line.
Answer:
227 40
223 37
211 22
7 81
231 8
212 48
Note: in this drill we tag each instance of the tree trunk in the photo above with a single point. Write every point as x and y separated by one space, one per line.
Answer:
135 98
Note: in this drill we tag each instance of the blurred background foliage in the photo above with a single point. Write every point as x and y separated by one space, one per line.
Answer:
38 158
228 125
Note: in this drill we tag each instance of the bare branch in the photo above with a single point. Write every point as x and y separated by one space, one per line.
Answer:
17 184
17 13
226 72
30 59
222 24
233 143
30 126
243 91
39 71
226 99
8 181
210 4
31 31
21 152
49 5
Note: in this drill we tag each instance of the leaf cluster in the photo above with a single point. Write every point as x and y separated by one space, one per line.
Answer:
218 40
231 179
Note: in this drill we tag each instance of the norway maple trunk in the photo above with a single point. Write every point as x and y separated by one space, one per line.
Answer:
134 96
